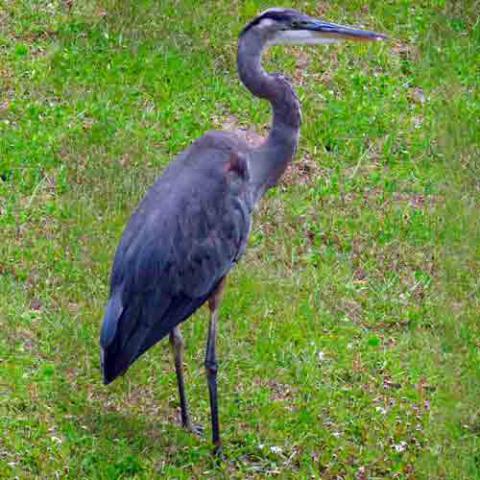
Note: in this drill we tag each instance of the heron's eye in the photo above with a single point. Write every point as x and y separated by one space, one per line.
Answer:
298 24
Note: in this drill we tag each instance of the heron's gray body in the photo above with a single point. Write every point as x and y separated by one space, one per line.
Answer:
187 233
193 224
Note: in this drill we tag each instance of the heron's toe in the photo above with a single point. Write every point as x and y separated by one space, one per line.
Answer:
196 429
218 454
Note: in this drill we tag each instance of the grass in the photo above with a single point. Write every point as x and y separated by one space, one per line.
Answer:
349 340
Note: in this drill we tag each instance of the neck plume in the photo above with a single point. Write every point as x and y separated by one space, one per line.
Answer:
271 159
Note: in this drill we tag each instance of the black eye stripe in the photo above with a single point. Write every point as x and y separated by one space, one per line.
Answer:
276 15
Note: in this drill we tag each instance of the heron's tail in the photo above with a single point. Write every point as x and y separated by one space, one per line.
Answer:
111 367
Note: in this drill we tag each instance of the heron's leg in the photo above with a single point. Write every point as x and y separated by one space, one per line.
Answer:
176 340
211 363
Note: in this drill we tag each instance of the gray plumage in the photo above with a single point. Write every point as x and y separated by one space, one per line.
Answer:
193 224
187 233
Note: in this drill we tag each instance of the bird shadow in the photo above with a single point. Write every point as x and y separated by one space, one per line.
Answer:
139 431
110 424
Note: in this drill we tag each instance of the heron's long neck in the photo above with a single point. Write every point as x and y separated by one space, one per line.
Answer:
270 159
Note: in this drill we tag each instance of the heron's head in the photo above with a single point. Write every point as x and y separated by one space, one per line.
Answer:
279 26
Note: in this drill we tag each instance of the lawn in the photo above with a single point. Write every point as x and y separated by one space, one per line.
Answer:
349 339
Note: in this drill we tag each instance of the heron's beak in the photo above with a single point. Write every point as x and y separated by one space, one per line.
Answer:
313 31
332 31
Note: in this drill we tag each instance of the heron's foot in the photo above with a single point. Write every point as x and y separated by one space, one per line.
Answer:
218 453
196 429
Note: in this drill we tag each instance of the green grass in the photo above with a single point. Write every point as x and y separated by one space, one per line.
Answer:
349 340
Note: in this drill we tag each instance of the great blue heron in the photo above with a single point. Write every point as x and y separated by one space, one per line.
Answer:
193 224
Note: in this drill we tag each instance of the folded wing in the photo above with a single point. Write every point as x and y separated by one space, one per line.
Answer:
187 233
